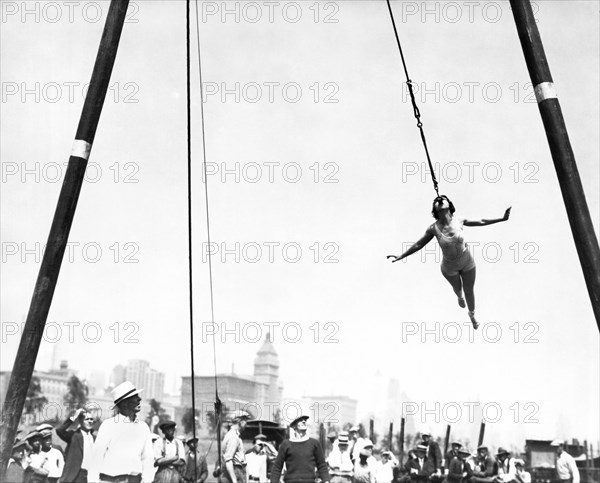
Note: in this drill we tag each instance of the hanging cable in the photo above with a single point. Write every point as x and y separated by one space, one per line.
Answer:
218 404
416 111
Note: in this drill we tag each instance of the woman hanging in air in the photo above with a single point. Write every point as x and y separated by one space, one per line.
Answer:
458 265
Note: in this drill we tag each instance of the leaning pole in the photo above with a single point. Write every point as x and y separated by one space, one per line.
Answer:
578 213
59 232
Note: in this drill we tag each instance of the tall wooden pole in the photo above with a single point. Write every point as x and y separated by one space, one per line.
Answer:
401 442
59 231
446 446
372 430
578 213
391 437
481 434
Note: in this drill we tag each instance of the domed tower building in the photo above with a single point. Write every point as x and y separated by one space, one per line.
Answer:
266 371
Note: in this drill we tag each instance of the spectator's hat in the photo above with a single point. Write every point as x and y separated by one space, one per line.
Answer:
33 435
43 427
123 391
191 440
501 451
298 419
354 429
167 424
239 415
19 444
368 443
483 446
364 453
89 407
45 433
456 443
387 454
421 447
259 437
465 452
557 442
343 438
519 462
425 432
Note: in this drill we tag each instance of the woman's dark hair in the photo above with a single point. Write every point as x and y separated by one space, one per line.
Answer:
439 199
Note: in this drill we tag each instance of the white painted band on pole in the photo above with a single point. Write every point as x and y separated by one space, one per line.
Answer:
81 149
545 90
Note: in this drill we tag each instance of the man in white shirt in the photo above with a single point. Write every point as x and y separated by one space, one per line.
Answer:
340 461
36 470
384 469
234 456
169 455
521 476
123 452
356 442
257 457
506 466
56 461
566 468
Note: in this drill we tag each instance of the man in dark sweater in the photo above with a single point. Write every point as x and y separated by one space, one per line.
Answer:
301 456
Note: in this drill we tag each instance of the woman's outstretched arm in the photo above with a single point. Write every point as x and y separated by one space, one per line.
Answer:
484 221
424 240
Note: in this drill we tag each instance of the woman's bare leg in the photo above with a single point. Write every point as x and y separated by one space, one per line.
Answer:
468 281
457 284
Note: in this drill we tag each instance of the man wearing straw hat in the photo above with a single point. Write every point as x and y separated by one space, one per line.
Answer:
123 449
340 460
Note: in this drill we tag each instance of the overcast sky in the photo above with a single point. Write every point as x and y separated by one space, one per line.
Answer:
317 172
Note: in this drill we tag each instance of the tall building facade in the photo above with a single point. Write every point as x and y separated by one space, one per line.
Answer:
260 394
139 372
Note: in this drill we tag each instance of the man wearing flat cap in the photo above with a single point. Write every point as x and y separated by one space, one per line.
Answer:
452 453
38 469
196 469
301 455
169 455
56 460
566 468
234 455
14 470
123 452
458 469
258 459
